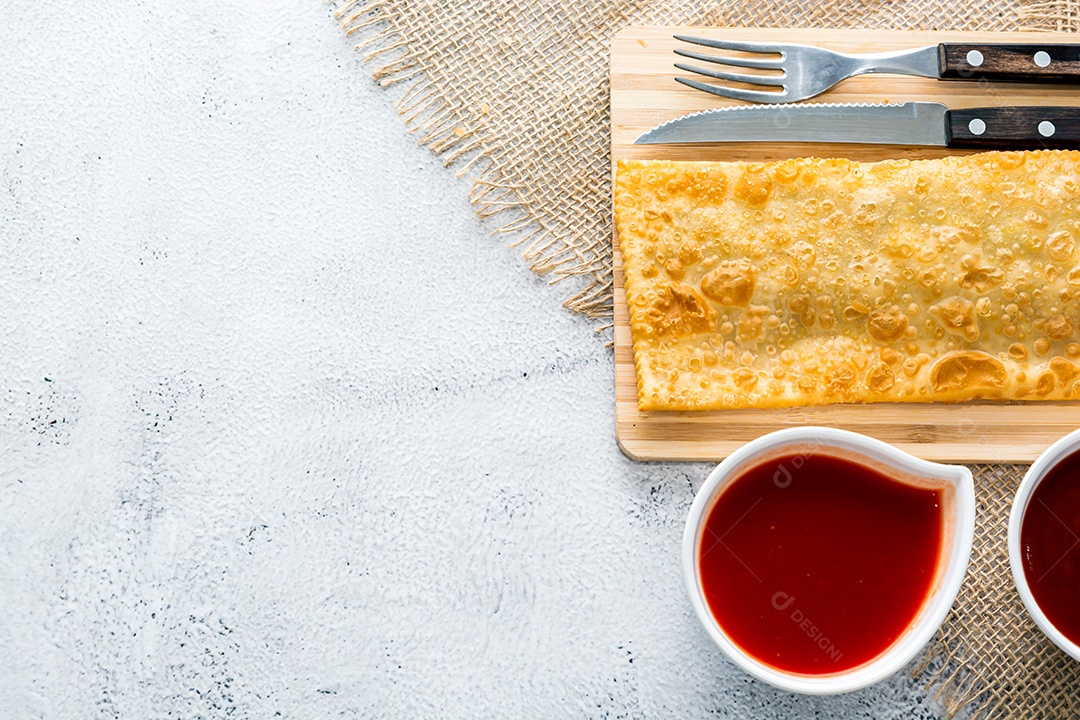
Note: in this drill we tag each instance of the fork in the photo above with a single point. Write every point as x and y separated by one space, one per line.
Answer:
807 71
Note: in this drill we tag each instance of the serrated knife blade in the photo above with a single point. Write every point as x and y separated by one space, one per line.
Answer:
909 123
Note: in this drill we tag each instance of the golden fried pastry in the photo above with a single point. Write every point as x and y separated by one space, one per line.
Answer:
807 282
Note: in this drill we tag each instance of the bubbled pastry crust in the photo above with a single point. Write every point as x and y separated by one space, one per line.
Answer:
817 281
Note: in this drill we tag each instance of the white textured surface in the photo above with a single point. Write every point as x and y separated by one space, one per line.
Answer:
283 430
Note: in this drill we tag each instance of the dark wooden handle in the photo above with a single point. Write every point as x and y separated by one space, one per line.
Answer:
1015 127
1033 62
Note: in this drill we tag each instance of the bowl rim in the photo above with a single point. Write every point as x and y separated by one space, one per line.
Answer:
917 636
1036 473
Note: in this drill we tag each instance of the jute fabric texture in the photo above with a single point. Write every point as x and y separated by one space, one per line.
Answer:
989 656
514 94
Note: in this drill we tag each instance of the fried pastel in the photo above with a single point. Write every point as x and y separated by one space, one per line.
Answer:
813 281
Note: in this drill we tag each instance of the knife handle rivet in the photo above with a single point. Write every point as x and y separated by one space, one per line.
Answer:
977 126
1046 128
974 58
1042 58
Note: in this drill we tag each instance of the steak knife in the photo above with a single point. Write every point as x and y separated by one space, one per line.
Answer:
909 123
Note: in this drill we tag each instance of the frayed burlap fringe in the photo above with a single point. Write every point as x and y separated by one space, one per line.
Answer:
442 126
514 93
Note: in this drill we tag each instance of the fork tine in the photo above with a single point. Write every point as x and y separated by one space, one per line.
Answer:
772 80
760 63
750 47
735 93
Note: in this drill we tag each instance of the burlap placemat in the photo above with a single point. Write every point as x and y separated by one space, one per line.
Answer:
989 655
515 94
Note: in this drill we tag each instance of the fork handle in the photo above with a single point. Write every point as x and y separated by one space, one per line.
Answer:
1033 126
1032 62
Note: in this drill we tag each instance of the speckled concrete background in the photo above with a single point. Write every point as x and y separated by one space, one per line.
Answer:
283 430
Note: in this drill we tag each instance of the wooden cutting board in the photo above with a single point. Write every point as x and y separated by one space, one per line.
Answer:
644 94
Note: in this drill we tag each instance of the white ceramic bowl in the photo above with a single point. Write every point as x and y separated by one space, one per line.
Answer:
1038 470
959 510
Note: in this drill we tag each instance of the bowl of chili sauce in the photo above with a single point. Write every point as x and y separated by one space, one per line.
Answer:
822 561
1044 542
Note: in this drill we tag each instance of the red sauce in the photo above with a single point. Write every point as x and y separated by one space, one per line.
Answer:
815 564
1050 543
